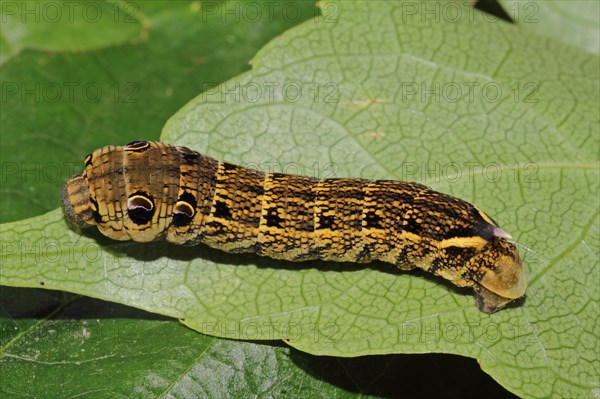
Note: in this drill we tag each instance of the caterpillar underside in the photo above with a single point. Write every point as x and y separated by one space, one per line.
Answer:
148 190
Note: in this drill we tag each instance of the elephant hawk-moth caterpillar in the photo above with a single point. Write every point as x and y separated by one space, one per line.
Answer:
146 191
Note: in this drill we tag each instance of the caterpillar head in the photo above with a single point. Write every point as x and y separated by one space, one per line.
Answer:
498 275
133 192
480 257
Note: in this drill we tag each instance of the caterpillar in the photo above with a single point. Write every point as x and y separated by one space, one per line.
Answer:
147 191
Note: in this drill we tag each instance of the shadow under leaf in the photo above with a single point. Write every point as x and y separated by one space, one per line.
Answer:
404 376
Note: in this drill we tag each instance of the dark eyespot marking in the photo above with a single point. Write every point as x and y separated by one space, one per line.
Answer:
222 210
191 158
140 208
273 219
230 166
137 146
183 214
410 224
459 253
373 221
184 210
327 222
88 160
189 198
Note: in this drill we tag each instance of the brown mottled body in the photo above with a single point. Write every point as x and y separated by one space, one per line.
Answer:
147 191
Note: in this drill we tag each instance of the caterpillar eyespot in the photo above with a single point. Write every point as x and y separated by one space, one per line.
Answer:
140 208
147 191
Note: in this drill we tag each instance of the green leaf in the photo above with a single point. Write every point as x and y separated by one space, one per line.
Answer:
68 26
576 22
50 345
124 349
382 90
85 337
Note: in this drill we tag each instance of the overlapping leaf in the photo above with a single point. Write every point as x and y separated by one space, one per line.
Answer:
573 22
375 89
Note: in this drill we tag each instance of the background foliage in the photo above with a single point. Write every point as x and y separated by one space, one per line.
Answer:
47 336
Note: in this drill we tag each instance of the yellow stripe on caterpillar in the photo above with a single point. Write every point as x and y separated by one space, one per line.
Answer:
476 242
